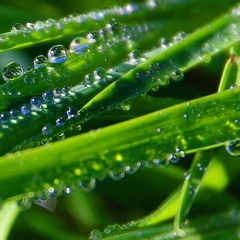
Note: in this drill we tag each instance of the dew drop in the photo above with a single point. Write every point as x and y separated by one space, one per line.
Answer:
57 92
48 130
18 27
87 185
126 106
11 71
71 112
36 102
92 37
95 234
177 75
39 25
26 109
29 26
113 26
135 56
5 117
40 61
48 95
60 122
68 190
164 42
116 175
57 54
89 78
79 45
99 73
205 57
50 23
233 148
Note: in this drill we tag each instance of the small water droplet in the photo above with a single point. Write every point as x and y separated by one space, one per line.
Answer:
164 42
29 26
50 23
71 112
87 185
135 56
233 148
92 37
113 26
89 78
57 54
39 25
126 106
159 130
48 96
5 117
100 73
95 234
60 122
116 175
79 45
36 102
11 71
68 190
40 61
18 27
57 92
177 75
26 109
200 167
48 130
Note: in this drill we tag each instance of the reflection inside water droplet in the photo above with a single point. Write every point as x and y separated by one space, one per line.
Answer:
79 45
57 54
12 70
233 148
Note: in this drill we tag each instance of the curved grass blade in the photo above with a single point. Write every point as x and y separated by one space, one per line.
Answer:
41 31
109 49
173 61
202 159
8 214
178 130
218 226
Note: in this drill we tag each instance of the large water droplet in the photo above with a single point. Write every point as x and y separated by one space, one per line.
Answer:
11 71
57 54
233 148
79 45
40 61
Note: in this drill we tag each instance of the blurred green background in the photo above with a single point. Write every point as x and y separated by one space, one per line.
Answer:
134 196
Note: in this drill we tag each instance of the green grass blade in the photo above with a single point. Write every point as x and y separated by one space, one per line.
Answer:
8 214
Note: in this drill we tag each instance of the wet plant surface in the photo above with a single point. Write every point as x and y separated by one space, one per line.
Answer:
145 94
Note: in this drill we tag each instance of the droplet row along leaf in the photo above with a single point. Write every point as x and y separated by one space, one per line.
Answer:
48 73
40 170
159 65
40 31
